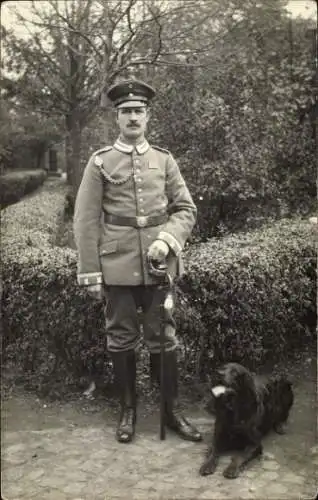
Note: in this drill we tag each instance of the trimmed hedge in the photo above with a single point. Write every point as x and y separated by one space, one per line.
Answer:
15 185
244 297
255 293
53 331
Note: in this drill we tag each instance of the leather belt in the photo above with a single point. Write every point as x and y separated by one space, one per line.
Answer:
137 222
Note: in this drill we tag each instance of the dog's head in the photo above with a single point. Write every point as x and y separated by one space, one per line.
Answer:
236 377
235 394
223 400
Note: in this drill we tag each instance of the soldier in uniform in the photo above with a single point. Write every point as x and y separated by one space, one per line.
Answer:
132 205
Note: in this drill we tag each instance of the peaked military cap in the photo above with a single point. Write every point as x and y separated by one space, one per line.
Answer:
130 93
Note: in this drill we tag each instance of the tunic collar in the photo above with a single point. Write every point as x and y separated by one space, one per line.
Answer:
128 148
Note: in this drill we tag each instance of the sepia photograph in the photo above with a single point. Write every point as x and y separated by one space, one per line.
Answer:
158 196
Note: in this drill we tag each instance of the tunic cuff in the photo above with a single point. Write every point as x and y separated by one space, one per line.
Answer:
86 279
172 242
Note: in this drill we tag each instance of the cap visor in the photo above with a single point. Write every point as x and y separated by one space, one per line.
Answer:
132 104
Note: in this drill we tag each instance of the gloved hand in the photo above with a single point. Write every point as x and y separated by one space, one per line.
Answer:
158 250
95 291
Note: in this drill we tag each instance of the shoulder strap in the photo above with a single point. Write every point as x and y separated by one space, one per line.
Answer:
98 161
161 149
103 150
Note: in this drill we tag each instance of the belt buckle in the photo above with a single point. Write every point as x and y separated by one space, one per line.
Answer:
142 220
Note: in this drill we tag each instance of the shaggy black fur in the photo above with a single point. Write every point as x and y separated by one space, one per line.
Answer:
245 410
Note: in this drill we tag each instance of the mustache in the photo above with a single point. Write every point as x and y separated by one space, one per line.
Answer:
133 124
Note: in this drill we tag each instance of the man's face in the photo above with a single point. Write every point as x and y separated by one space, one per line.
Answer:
132 121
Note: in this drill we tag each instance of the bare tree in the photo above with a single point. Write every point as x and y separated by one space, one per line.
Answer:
74 50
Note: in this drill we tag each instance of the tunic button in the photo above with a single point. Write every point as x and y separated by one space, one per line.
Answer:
138 170
141 199
139 190
142 210
136 273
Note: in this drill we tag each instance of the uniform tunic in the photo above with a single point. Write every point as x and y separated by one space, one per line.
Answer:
129 181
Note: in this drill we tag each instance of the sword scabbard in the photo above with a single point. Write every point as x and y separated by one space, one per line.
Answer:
162 375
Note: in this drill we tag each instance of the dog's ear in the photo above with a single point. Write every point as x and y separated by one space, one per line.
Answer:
244 378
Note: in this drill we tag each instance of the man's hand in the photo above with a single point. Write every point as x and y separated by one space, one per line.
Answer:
95 291
158 250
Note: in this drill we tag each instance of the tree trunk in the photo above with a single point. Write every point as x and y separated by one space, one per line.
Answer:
107 118
106 130
73 143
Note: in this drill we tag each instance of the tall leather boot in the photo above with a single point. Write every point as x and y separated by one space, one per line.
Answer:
124 364
174 419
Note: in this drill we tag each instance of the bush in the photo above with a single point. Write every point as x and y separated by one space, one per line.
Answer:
15 185
52 330
244 297
254 294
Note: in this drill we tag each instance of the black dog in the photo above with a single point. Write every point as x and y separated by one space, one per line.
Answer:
245 410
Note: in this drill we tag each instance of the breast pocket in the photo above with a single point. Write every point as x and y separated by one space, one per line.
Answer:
108 247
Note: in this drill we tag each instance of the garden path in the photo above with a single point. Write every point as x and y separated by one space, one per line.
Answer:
67 451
